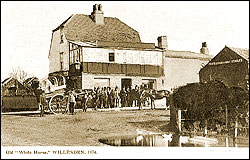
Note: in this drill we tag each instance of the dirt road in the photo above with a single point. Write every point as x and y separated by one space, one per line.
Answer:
82 129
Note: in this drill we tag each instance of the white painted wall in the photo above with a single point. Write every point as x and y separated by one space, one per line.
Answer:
122 56
180 71
54 55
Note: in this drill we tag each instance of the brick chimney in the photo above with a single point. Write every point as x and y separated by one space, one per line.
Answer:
162 42
97 14
204 49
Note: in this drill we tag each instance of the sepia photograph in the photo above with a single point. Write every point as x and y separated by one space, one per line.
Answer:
125 79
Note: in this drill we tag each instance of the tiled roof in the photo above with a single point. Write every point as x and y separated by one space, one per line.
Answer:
80 27
243 52
187 55
126 45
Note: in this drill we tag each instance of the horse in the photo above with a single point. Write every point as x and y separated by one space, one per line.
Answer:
155 95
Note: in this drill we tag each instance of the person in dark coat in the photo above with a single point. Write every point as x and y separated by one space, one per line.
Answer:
116 96
72 102
109 97
98 92
133 97
129 97
112 98
105 97
101 97
123 97
137 96
43 103
83 98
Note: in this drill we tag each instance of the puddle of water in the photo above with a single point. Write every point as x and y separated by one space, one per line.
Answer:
157 140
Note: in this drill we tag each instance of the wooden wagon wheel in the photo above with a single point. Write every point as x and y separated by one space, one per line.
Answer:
58 104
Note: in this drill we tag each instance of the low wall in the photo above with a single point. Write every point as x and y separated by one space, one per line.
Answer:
18 103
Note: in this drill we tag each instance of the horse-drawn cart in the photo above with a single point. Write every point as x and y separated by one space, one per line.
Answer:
58 100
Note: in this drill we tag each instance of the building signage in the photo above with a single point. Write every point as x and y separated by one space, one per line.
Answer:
226 62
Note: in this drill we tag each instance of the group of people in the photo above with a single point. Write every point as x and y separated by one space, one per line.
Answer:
107 97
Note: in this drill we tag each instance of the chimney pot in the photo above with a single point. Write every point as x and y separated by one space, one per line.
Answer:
204 44
204 49
162 42
100 7
97 14
96 7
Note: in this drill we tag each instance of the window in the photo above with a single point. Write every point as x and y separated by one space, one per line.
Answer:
61 60
61 34
111 57
61 39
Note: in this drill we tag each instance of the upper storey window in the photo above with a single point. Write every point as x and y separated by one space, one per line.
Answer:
61 41
111 57
61 35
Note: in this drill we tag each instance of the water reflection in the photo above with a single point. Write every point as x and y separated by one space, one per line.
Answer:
158 140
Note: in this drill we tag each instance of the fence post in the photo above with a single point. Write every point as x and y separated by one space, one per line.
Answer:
226 141
205 129
180 140
226 119
236 129
179 120
173 116
235 134
226 125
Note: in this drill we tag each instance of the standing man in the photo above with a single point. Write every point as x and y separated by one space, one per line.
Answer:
123 97
83 98
109 97
72 102
129 97
137 96
105 97
98 102
43 102
116 96
101 98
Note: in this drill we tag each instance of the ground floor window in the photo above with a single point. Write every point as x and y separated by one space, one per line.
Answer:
101 82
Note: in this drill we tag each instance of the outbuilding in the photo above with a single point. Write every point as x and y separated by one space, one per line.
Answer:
230 65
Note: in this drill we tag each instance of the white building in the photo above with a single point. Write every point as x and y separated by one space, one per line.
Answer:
93 50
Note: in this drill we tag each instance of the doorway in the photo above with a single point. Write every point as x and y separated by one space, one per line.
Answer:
126 82
149 82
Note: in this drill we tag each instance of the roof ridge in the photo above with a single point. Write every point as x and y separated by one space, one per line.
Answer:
239 48
64 22
184 51
243 52
90 15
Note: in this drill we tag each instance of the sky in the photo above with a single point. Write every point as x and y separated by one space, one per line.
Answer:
26 27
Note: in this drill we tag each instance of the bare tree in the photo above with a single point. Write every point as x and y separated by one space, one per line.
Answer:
19 74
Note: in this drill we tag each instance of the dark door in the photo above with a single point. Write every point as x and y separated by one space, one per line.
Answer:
126 82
